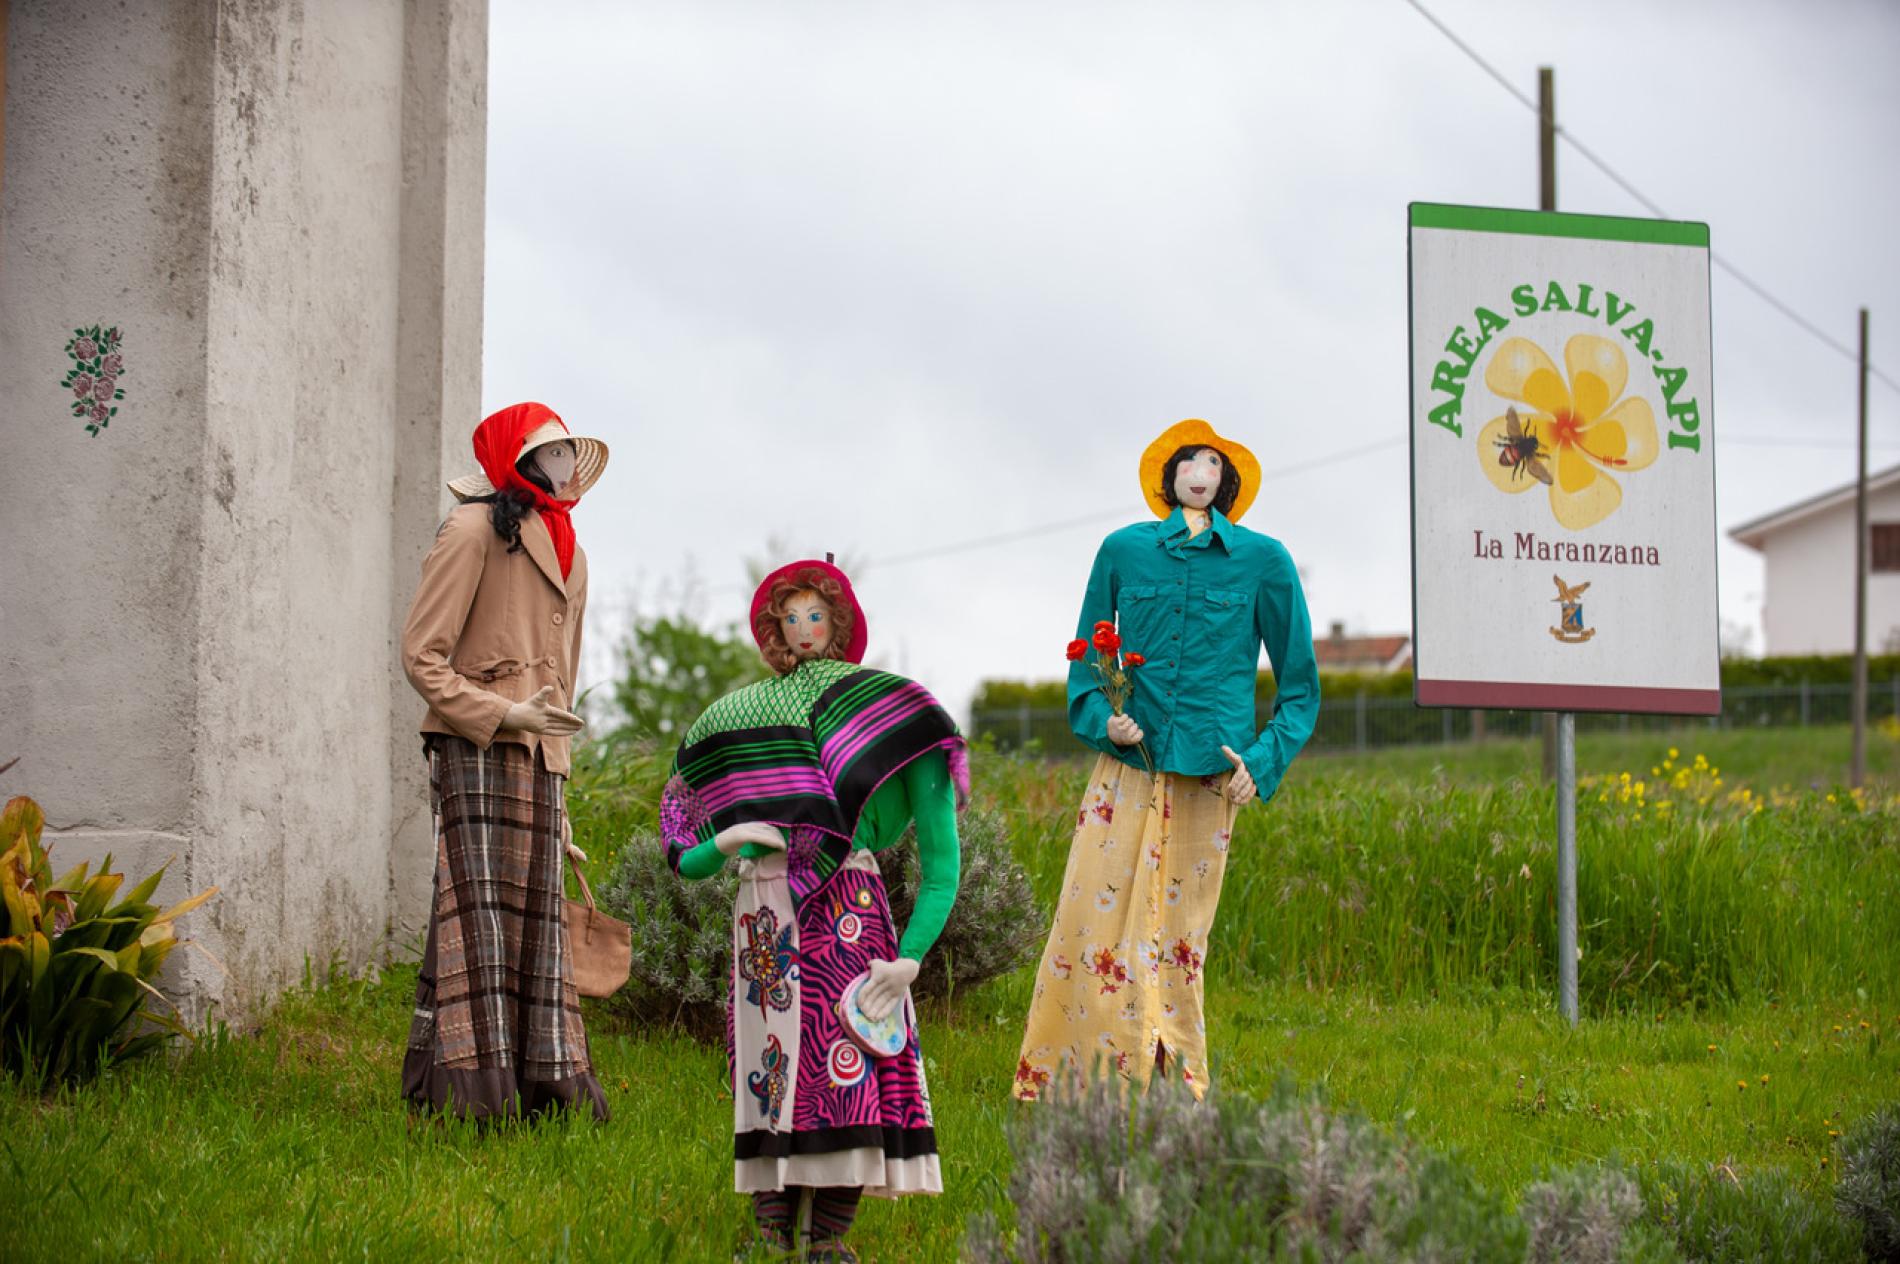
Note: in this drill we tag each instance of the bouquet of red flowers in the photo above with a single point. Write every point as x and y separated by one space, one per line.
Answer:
1114 669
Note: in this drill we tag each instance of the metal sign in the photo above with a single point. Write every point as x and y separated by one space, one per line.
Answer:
1563 464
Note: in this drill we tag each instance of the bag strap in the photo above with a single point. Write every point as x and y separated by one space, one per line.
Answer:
586 891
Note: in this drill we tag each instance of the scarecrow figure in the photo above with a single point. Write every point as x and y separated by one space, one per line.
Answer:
802 777
492 642
1182 607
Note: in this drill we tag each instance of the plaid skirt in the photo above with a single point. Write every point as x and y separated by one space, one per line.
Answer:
497 1028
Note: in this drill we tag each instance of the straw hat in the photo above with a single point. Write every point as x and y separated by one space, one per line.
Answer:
590 458
1196 433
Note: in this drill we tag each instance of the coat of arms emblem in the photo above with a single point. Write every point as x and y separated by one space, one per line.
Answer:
1570 629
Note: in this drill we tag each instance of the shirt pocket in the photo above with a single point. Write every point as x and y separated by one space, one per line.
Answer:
1142 615
1227 614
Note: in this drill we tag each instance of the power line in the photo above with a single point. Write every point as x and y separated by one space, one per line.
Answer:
1009 537
1759 290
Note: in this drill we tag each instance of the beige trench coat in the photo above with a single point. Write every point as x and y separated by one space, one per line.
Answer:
489 627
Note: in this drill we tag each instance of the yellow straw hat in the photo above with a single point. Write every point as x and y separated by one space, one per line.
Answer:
1196 433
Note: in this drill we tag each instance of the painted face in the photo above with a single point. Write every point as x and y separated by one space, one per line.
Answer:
557 464
1197 479
807 625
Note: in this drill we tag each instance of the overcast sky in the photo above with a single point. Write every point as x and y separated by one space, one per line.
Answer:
882 279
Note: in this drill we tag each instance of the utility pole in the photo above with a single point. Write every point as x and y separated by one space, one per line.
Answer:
1857 772
1560 729
1547 201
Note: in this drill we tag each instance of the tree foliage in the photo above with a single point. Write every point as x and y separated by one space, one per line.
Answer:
671 669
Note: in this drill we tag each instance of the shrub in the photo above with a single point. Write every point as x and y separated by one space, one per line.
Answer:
995 925
1718 1215
612 795
1869 1191
1586 1216
1100 1175
74 968
682 931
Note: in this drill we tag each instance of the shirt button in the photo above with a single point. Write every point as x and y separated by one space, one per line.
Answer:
557 618
550 660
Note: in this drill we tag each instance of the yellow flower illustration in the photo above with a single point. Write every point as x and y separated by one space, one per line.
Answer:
1583 431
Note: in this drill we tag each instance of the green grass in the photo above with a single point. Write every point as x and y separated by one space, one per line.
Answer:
291 1143
1788 758
1699 883
1378 940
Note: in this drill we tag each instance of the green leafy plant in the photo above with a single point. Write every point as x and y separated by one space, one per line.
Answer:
76 966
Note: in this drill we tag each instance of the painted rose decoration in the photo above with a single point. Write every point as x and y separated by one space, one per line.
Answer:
93 379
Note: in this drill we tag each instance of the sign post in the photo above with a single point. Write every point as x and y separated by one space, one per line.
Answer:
1562 456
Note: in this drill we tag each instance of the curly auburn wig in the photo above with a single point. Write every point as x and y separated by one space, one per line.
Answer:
769 625
1224 496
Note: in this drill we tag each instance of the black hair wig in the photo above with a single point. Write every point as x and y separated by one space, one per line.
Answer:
1224 496
507 507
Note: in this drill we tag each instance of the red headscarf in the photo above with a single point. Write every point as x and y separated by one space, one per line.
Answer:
498 443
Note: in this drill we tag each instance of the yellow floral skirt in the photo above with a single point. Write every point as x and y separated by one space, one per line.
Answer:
1121 974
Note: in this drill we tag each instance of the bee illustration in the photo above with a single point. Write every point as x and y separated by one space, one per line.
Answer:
1520 451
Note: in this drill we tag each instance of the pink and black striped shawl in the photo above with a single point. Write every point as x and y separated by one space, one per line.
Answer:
803 752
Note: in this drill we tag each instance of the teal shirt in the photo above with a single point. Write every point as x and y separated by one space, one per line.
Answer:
1199 609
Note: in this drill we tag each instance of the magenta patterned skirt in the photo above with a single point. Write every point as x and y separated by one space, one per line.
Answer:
809 1106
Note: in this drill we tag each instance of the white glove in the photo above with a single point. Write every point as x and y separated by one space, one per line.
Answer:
1240 787
1122 730
889 981
538 715
730 839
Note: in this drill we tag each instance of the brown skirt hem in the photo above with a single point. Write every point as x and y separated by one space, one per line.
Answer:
493 1094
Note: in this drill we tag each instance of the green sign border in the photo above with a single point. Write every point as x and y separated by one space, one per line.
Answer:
1488 219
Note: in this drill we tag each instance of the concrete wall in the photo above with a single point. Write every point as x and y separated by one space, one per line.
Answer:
1808 578
280 203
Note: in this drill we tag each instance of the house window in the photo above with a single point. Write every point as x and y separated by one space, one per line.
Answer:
1884 550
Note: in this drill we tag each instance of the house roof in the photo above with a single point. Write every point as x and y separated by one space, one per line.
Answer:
1755 532
1334 651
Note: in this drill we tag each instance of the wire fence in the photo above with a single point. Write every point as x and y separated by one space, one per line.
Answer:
1361 722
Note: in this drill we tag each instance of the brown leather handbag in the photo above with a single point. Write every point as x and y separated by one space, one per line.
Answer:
602 946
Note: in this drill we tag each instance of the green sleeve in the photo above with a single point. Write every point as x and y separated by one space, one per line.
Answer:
1284 627
702 861
939 858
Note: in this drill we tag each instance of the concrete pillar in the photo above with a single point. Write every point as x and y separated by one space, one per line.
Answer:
439 385
198 605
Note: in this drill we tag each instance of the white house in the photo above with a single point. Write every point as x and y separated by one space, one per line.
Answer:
1808 557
